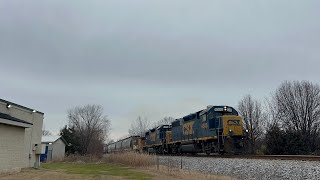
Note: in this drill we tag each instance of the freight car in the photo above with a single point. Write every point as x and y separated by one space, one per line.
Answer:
132 143
111 148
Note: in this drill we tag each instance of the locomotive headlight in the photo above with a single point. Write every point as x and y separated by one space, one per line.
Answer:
247 130
230 130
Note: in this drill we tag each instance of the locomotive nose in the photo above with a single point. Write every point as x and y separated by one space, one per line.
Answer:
232 125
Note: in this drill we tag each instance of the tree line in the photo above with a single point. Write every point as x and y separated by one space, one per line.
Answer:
285 123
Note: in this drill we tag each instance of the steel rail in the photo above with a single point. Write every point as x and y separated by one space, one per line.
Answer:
268 157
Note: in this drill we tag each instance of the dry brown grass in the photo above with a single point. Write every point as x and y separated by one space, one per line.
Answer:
150 164
82 159
131 159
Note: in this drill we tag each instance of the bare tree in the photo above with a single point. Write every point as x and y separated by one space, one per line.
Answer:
271 113
298 109
139 126
164 121
254 117
46 133
110 141
91 126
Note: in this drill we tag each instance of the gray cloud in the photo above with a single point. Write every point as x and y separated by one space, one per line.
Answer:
130 55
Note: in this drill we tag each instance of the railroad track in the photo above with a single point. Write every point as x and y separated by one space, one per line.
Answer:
269 157
285 157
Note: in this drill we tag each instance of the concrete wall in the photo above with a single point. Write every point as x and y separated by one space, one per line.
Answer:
31 136
58 150
11 148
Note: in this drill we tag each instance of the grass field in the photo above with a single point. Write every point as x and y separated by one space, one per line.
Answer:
98 170
92 171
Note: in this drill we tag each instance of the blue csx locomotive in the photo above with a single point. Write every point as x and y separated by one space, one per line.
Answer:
216 129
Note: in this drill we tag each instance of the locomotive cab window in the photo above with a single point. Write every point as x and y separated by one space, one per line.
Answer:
234 122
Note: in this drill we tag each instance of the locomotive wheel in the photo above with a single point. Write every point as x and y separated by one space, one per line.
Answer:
161 150
179 149
207 149
174 149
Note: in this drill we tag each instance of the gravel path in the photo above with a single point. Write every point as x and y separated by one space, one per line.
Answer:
247 168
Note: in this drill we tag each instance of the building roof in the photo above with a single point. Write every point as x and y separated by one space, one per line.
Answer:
17 105
7 119
52 139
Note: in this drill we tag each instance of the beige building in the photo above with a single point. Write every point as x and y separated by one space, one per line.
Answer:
20 136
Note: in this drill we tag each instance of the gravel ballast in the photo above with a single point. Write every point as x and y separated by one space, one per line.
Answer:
247 168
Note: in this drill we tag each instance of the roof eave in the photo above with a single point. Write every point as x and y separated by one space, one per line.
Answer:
15 123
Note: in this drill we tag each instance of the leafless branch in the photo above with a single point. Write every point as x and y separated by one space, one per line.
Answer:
91 125
139 126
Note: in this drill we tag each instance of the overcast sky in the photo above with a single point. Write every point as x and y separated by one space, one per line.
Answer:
152 58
